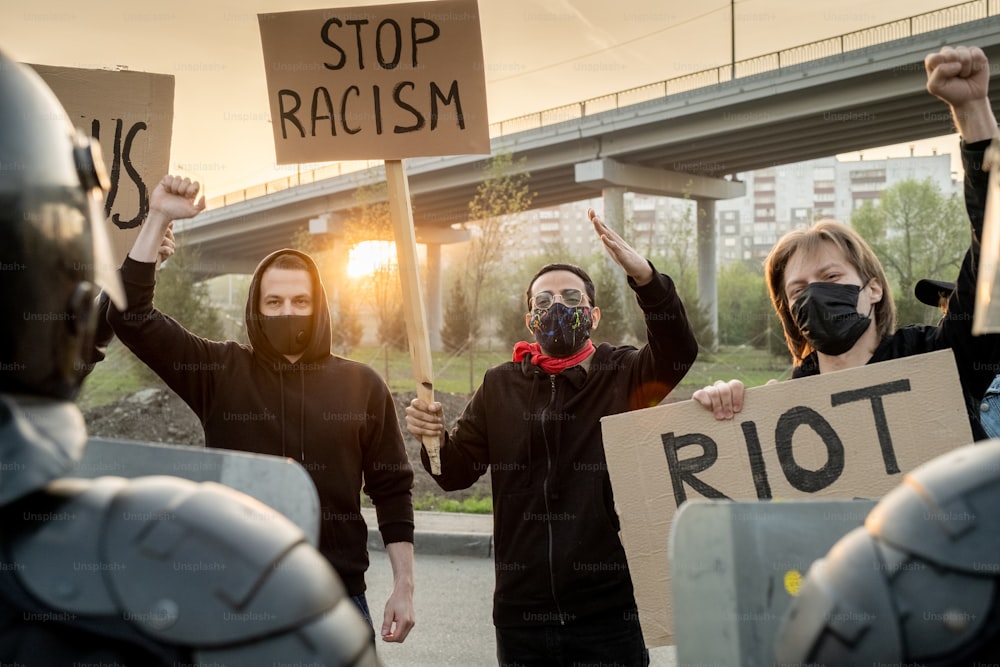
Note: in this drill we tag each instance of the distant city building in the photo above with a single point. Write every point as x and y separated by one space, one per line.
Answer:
792 196
778 200
648 221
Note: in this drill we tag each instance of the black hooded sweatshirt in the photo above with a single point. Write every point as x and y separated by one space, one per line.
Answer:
334 416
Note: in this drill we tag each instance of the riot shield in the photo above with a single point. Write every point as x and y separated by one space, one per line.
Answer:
279 482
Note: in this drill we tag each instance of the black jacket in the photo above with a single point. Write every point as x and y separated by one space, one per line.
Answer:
977 357
335 416
558 554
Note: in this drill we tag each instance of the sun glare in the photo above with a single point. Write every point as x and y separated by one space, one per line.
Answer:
367 257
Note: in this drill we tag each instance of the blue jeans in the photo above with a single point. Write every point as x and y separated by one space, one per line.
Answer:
361 602
617 644
989 409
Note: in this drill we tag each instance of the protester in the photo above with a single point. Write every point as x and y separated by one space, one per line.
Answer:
936 293
154 571
563 590
830 290
285 394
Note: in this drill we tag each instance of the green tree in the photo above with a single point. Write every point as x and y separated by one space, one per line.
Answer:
744 308
180 294
371 221
503 193
388 300
459 328
679 248
510 321
697 312
676 254
347 327
620 313
917 232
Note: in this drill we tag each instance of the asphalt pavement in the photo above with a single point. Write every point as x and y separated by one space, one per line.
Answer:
453 593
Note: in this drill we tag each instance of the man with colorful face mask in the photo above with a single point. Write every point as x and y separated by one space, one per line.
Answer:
285 394
563 591
831 292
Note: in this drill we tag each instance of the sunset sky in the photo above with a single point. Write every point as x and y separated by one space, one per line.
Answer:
538 54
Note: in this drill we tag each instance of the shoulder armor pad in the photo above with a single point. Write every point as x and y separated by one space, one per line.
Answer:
188 564
340 638
945 510
40 441
206 565
57 543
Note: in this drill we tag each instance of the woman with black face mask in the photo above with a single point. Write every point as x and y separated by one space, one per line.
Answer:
830 290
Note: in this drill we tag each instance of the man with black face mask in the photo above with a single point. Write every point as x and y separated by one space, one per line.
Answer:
563 590
285 394
832 294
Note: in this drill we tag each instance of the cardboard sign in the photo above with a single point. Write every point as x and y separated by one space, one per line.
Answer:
986 315
131 114
386 81
843 435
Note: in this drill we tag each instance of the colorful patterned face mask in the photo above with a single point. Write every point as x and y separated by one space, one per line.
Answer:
561 330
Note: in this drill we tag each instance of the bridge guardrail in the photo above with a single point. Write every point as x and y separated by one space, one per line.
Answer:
879 34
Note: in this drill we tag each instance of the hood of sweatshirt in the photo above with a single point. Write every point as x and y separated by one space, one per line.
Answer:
321 336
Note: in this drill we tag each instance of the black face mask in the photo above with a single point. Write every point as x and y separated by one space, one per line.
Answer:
827 315
288 334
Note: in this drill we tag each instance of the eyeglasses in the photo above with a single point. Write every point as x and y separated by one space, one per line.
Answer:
570 297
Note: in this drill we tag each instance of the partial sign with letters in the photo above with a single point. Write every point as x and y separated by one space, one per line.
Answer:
131 115
843 435
386 81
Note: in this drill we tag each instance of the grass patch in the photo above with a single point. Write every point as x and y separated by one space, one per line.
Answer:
120 375
451 372
116 377
480 505
751 365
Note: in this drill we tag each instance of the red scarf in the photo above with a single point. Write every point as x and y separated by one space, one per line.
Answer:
551 364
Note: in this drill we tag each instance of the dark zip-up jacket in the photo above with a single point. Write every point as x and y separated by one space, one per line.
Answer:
558 554
976 357
334 416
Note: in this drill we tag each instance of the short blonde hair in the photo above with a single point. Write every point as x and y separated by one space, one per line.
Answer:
857 252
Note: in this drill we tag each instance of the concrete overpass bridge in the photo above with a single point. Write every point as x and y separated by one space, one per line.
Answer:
684 136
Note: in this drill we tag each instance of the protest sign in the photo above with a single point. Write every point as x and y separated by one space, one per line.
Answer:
386 81
131 116
849 434
986 315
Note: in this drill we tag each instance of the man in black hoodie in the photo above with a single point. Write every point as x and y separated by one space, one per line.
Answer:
563 591
285 394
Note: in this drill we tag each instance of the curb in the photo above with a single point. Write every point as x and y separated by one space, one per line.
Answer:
441 533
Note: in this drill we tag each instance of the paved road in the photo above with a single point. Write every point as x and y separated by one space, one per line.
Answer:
453 600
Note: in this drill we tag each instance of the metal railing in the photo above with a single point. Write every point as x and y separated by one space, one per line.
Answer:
769 62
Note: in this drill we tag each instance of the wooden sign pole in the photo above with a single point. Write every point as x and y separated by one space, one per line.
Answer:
413 302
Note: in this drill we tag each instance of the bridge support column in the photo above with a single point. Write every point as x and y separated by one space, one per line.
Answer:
432 295
707 267
614 217
614 207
